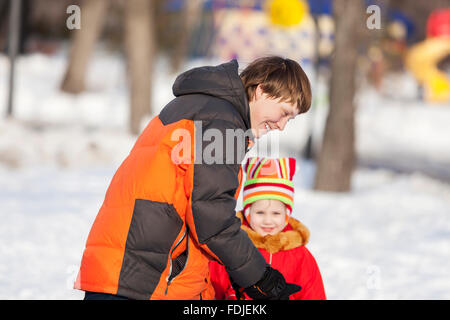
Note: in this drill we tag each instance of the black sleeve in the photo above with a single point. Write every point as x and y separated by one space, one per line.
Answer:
217 228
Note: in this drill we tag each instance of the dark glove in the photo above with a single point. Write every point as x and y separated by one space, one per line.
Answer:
238 290
272 286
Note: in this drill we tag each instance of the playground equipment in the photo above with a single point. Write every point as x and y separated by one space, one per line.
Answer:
423 58
287 12
280 27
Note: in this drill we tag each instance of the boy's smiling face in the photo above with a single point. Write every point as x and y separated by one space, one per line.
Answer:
268 113
267 217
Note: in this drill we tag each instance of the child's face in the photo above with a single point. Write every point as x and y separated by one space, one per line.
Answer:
268 113
268 217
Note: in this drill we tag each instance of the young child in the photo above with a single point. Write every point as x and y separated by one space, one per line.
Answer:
268 200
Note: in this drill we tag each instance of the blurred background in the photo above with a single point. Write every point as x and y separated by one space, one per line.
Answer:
79 80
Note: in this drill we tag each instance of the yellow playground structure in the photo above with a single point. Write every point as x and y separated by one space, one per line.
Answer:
423 58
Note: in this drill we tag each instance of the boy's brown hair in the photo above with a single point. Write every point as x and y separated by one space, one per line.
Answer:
279 78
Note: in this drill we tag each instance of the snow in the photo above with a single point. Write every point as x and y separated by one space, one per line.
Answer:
46 215
389 238
391 131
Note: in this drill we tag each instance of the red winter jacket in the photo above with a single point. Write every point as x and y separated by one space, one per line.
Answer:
285 252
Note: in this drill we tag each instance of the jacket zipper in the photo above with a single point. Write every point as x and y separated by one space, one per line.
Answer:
270 261
170 269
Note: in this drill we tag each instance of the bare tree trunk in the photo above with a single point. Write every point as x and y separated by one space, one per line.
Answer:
13 48
92 17
139 43
337 157
190 18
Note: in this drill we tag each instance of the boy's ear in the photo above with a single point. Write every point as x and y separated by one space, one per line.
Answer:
258 92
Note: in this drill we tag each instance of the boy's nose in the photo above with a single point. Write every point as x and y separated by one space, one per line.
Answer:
282 123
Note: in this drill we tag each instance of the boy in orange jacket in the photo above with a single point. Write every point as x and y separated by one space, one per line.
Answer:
268 200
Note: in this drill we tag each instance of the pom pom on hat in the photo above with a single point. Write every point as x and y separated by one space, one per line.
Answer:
269 179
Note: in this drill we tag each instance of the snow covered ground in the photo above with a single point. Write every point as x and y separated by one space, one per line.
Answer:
387 239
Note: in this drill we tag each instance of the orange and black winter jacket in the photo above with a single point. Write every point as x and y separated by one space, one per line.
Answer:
166 213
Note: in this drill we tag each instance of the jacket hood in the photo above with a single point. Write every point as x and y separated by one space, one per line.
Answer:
220 81
294 235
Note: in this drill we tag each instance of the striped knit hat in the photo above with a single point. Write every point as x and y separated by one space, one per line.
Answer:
269 179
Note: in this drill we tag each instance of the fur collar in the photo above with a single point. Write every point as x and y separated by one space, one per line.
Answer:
296 236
